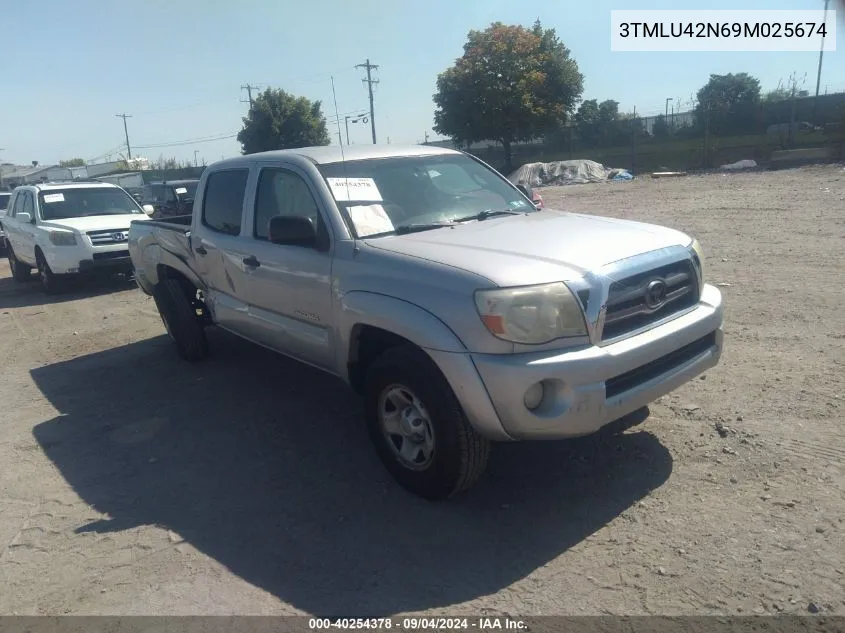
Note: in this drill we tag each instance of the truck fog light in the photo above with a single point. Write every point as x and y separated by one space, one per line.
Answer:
534 396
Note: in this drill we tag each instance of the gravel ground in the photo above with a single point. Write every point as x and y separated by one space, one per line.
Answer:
132 483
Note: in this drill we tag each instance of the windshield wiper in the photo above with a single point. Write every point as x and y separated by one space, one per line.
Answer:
489 213
403 229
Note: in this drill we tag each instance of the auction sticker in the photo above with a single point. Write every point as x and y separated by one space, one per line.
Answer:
370 219
354 189
54 197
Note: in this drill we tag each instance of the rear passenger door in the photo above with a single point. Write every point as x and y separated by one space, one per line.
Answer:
220 250
25 249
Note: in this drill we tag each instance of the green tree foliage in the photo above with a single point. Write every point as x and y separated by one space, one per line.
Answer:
660 127
599 124
511 84
778 94
72 162
731 103
279 120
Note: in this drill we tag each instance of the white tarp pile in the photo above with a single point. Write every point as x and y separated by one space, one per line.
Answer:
740 164
566 172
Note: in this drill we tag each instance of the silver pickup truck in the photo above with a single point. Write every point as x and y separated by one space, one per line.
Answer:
434 287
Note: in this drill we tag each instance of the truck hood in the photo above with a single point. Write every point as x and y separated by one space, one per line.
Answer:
536 247
95 222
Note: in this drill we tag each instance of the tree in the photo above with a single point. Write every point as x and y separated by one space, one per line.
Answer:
278 120
72 162
511 84
660 127
778 94
597 123
730 102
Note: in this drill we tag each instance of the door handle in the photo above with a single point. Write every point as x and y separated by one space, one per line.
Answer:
252 261
201 250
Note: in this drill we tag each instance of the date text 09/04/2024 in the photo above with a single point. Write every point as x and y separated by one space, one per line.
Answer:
485 623
725 29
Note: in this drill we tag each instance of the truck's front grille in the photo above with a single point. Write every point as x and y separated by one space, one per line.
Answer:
638 301
110 236
636 377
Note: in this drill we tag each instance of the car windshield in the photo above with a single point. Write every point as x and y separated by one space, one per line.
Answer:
186 191
384 196
4 201
83 202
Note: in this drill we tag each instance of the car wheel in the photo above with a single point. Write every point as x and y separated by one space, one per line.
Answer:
50 282
20 272
180 320
418 427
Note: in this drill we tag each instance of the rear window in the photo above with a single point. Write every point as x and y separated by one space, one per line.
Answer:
82 202
4 201
222 204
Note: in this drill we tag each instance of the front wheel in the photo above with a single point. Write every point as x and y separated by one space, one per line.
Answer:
418 427
180 320
20 271
50 282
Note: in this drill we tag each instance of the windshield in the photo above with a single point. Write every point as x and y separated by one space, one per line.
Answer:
186 191
82 202
4 201
380 196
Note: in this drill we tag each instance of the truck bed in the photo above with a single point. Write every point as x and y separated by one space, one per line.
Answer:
175 223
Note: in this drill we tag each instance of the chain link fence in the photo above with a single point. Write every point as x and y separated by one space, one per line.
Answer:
704 138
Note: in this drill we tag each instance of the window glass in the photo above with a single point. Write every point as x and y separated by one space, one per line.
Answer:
18 203
413 190
28 203
4 201
222 204
282 192
83 202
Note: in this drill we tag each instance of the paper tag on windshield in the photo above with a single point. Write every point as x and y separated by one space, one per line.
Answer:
54 197
370 220
354 189
181 190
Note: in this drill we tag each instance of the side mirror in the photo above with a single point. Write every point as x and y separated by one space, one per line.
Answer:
24 218
149 209
293 230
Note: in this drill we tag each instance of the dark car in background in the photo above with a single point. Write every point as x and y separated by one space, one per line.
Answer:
168 198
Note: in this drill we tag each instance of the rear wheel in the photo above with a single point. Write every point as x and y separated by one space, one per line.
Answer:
20 271
418 427
180 320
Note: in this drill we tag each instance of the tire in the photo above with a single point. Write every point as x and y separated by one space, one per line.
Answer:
457 453
20 271
50 282
180 320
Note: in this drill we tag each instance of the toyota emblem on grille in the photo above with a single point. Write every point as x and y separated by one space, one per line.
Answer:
655 294
118 237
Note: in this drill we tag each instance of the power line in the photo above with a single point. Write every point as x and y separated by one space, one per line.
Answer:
190 141
125 116
370 81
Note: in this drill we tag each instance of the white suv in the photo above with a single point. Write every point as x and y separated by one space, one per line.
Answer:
64 229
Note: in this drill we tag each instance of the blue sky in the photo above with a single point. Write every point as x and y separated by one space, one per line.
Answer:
177 65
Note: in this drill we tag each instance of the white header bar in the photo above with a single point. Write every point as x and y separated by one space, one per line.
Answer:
725 31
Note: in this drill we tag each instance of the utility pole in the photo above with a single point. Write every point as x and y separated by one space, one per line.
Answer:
195 157
426 137
249 88
819 73
125 116
370 81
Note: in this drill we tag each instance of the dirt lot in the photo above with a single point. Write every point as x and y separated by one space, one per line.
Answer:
132 483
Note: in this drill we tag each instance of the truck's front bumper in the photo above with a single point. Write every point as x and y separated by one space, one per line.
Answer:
587 388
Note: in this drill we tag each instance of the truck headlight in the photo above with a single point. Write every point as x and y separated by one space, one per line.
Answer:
698 254
62 238
531 314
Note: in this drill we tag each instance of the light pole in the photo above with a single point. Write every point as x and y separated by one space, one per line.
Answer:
666 116
195 157
819 74
359 117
